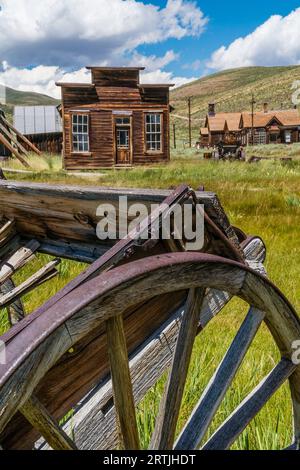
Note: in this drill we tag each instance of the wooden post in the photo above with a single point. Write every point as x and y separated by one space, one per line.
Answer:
122 386
252 118
190 122
174 135
6 143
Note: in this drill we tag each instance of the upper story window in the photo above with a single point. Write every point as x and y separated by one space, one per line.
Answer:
154 132
80 133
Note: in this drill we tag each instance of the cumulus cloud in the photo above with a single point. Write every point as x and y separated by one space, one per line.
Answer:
275 42
42 79
74 33
42 42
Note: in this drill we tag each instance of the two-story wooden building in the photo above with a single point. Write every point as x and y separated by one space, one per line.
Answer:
114 120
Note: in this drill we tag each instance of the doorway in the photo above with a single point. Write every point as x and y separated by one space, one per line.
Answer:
123 140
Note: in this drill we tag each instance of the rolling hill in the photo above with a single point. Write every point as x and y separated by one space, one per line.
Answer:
24 98
232 90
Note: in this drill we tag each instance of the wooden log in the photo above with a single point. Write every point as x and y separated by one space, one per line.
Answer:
44 274
7 231
203 414
227 434
6 143
13 139
165 429
23 256
122 386
21 136
38 416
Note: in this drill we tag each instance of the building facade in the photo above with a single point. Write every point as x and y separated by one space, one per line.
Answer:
268 127
114 121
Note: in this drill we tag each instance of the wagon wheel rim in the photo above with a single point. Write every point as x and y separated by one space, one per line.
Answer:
105 298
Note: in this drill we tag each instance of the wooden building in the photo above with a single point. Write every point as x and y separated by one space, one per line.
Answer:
220 128
114 121
269 127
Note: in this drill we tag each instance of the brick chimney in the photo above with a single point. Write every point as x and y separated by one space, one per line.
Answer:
266 108
211 109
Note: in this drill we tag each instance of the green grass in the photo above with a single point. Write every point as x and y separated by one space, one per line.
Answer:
262 199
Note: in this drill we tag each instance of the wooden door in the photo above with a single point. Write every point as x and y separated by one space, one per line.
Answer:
123 141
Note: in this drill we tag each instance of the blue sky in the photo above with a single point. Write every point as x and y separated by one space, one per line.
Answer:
228 20
42 42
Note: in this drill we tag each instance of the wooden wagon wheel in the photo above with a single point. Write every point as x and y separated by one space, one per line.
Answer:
105 298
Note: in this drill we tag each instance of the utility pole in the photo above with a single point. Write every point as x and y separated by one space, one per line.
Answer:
174 134
190 121
253 102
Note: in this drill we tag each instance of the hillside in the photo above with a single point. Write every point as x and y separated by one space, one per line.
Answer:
232 90
24 98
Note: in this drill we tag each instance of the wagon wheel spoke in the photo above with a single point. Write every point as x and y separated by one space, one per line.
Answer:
34 411
122 385
227 434
165 429
212 397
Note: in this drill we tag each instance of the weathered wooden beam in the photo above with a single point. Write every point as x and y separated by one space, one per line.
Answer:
21 136
7 231
227 434
13 139
82 252
122 386
165 429
15 310
40 419
203 414
44 274
7 144
23 256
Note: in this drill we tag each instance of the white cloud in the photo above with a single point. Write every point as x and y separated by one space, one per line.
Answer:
74 33
275 42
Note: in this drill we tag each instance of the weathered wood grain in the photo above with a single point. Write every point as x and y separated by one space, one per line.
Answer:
165 429
122 387
238 421
38 416
41 276
23 256
204 412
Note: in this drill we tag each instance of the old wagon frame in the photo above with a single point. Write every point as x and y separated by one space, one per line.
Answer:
139 299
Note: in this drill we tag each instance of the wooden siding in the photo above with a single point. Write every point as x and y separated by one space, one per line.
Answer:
113 92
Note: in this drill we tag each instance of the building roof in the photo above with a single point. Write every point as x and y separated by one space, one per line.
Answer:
289 117
204 131
75 85
218 122
115 68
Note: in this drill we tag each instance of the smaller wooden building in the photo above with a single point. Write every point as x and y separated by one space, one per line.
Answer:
115 120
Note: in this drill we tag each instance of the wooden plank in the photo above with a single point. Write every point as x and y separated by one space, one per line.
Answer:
23 256
122 386
38 416
204 412
44 274
6 143
165 429
15 310
7 231
13 139
227 434
21 136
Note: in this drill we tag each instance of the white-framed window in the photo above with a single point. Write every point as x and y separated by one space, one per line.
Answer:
260 137
80 133
154 132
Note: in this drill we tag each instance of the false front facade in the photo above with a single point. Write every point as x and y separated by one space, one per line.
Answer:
115 121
